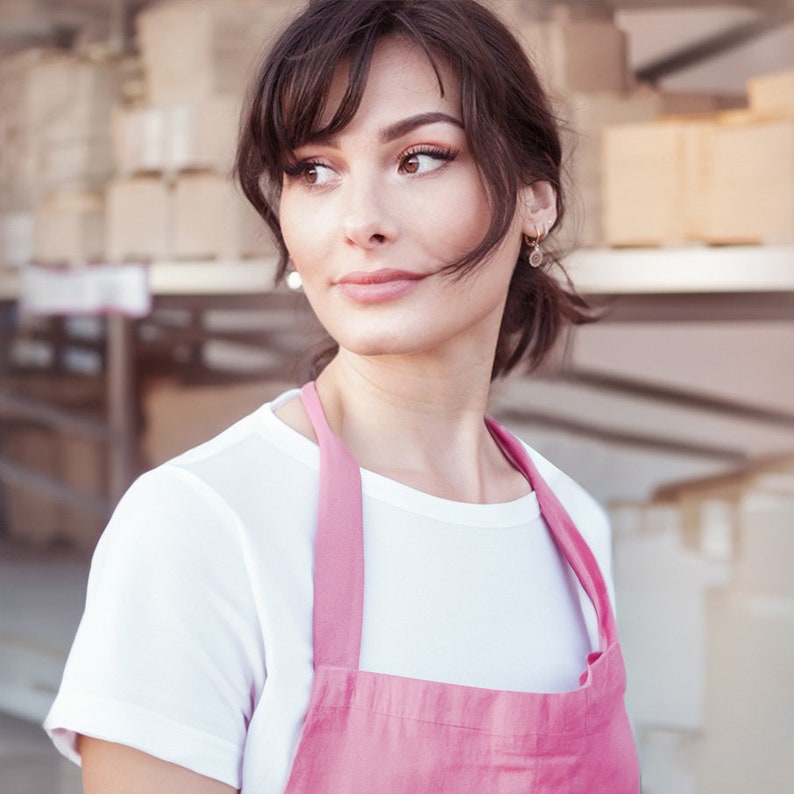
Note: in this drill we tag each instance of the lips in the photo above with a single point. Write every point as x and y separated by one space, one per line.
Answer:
378 286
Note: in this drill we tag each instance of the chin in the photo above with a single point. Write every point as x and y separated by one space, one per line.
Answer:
383 343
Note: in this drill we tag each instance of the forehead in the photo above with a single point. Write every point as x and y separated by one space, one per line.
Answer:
401 79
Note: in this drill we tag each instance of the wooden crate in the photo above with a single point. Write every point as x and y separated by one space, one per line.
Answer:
655 182
194 49
69 228
750 196
212 220
139 219
772 94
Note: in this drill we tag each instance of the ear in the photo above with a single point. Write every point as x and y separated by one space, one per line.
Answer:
537 204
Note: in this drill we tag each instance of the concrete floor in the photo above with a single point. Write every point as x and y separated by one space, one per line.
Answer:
41 599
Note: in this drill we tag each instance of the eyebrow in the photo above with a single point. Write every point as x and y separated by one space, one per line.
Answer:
398 129
403 127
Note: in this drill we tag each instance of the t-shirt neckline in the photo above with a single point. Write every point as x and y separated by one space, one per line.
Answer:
384 489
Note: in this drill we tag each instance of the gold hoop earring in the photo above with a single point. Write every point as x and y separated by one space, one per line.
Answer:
535 256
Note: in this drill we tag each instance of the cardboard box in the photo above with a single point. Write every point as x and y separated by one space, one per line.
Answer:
36 519
54 124
139 134
195 135
83 466
16 238
194 49
772 94
69 229
578 55
178 417
750 196
68 97
28 517
655 183
588 115
139 220
212 220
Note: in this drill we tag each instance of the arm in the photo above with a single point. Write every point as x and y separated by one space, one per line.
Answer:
169 655
115 769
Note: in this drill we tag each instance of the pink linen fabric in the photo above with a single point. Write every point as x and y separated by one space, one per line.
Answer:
370 733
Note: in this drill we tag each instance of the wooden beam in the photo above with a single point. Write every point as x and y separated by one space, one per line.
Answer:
715 45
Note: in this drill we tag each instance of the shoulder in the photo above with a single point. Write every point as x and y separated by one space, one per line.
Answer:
206 494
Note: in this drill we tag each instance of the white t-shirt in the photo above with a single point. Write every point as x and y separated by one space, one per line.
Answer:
196 642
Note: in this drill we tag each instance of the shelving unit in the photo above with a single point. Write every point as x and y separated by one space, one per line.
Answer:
659 285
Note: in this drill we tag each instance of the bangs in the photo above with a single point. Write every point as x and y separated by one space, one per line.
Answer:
512 132
291 108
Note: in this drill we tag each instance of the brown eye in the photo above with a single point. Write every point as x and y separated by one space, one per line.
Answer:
411 164
310 174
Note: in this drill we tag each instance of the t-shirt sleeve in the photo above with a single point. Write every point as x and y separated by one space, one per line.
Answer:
168 658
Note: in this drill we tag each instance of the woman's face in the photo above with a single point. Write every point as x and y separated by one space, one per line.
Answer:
372 215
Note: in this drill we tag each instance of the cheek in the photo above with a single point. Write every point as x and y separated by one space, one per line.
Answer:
304 239
461 215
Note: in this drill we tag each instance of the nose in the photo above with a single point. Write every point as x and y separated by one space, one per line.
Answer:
368 221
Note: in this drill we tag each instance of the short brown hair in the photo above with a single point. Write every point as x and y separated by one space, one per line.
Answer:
510 128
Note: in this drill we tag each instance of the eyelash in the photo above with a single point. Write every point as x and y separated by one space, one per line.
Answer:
295 169
437 152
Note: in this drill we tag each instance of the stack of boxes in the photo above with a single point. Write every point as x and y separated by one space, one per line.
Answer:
86 176
583 63
55 155
564 49
649 168
724 178
174 197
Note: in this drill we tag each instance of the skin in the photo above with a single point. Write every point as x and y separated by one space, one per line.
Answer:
408 391
413 374
110 768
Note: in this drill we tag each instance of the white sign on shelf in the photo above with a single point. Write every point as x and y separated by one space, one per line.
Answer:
93 289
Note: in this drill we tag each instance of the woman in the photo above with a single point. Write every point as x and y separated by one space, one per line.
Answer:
368 587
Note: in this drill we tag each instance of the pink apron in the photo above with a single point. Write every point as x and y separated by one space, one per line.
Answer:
370 733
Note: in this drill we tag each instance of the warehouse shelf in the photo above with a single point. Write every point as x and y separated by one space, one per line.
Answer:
601 271
686 269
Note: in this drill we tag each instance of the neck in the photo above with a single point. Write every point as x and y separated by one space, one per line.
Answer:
421 425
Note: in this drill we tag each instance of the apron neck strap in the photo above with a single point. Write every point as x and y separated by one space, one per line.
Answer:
567 537
339 550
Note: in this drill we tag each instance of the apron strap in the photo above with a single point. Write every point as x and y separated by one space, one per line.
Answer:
339 551
567 537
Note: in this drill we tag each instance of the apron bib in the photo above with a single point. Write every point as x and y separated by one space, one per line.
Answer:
371 733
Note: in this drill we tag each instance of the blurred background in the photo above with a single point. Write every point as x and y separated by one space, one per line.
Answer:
138 317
